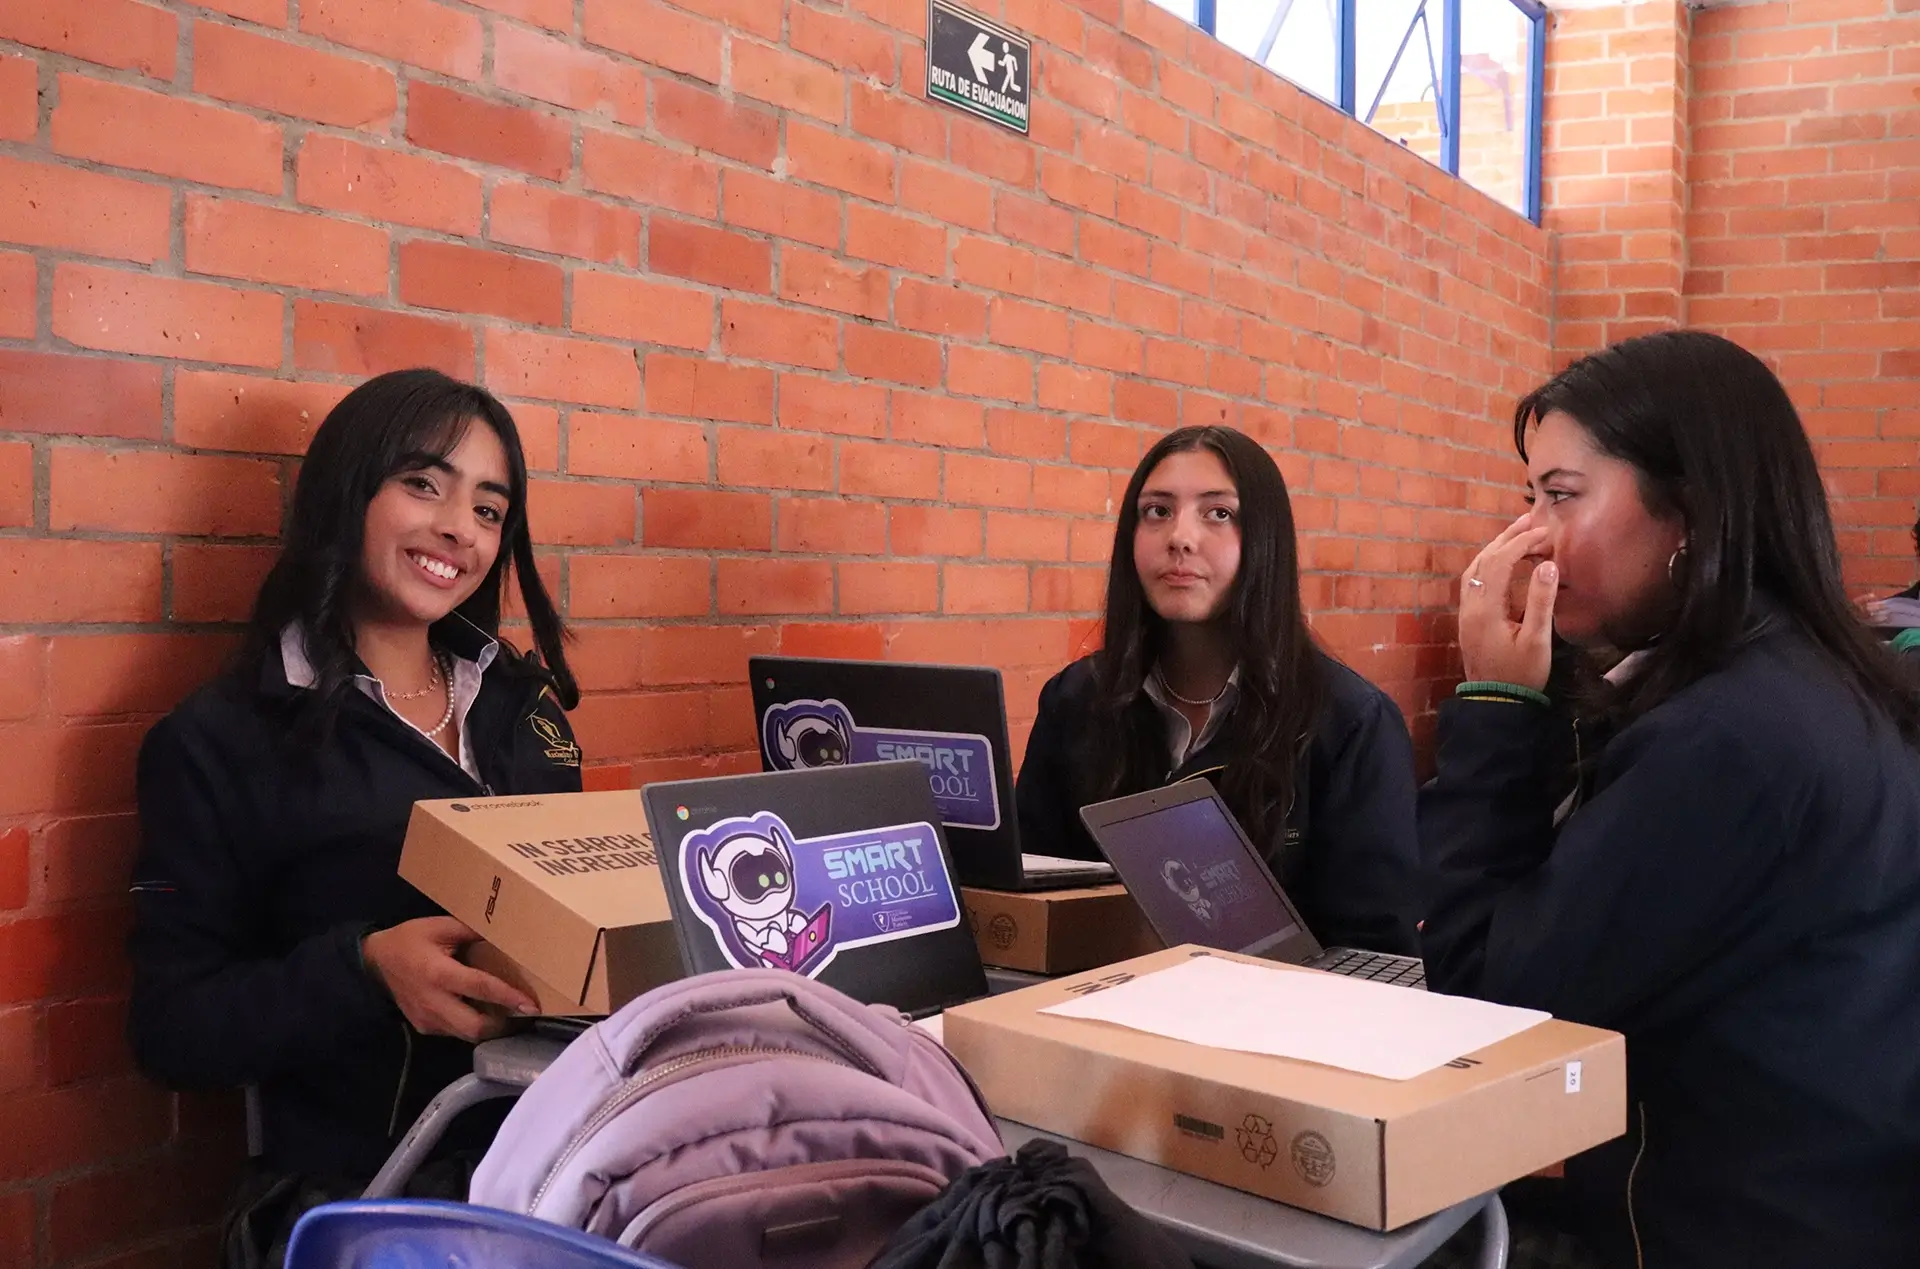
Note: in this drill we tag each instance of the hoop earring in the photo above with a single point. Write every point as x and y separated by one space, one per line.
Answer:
1673 560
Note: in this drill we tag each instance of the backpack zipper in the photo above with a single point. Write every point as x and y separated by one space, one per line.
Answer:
675 1202
637 1086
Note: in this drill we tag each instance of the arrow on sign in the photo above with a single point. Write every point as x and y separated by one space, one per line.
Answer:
981 57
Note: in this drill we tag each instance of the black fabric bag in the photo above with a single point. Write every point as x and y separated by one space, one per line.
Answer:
1041 1209
263 1211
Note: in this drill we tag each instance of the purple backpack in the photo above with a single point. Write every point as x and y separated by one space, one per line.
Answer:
744 1118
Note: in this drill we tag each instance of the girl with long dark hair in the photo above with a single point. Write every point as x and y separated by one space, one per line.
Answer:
1208 669
1714 848
274 944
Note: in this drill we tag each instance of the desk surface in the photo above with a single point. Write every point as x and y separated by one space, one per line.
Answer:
1220 1227
1000 981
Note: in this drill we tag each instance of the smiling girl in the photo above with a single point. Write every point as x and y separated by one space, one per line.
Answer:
1208 669
274 943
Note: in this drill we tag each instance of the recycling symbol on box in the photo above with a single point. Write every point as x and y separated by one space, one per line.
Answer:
1003 930
1255 1138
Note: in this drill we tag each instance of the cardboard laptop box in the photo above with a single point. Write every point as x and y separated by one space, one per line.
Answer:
565 888
1057 931
549 1000
1375 1152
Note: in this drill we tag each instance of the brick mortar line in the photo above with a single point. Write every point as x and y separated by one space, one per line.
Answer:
135 444
401 233
403 69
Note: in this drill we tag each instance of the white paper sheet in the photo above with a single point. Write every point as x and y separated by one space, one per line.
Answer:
1395 1033
935 1026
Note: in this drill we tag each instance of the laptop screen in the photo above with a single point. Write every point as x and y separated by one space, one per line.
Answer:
1195 880
814 714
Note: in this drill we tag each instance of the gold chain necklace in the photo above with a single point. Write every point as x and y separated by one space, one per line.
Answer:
1209 703
433 681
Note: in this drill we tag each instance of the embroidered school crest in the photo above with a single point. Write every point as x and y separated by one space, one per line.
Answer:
560 751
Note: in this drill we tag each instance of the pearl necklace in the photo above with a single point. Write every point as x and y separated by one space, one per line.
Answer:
445 673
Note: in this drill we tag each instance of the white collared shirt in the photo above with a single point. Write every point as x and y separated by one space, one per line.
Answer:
1628 667
1181 742
466 687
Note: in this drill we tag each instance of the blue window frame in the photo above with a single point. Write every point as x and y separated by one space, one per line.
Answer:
1459 81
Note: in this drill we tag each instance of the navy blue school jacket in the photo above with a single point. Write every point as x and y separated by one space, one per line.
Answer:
262 863
1737 890
1347 853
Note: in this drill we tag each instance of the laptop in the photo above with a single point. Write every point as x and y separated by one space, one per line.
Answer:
814 713
1190 867
839 873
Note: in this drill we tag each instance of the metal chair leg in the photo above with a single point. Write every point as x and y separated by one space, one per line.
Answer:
1495 1235
468 1090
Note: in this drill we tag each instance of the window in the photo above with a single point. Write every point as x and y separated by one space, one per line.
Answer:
1456 81
1299 39
1399 48
1497 100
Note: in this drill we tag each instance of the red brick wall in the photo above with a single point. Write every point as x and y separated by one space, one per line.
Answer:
1754 169
1804 239
1614 167
804 362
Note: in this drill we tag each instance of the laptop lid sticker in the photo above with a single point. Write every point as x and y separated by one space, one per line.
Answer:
809 734
772 899
1192 876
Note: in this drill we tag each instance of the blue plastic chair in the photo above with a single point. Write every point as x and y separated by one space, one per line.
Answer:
427 1234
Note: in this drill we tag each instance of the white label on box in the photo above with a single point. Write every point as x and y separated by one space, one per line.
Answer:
1573 1077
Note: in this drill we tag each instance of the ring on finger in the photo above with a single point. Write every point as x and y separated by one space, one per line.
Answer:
1475 582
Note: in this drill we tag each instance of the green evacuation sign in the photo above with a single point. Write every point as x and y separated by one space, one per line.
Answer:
977 65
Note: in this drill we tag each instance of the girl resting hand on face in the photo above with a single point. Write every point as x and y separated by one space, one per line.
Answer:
1716 848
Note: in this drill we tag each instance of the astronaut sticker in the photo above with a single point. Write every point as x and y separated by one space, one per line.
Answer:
1180 879
808 734
774 900
809 739
749 876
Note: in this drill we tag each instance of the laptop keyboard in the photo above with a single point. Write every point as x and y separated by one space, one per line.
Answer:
1377 967
1041 865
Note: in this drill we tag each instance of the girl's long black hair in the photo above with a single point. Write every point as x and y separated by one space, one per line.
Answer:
1283 684
390 424
1712 434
